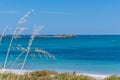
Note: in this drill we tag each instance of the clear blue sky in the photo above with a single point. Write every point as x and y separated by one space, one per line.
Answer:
64 16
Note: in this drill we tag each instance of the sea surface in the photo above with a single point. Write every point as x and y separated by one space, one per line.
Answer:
96 54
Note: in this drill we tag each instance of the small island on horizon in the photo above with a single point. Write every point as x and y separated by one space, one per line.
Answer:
57 35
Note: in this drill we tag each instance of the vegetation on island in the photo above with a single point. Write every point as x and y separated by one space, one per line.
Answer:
57 35
64 35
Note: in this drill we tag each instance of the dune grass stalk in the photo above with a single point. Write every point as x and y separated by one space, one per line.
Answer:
17 58
8 51
46 54
35 32
32 53
21 21
3 33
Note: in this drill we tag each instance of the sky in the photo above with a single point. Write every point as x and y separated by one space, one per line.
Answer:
83 17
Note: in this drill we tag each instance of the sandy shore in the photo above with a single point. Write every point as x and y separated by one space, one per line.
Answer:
18 72
96 76
22 72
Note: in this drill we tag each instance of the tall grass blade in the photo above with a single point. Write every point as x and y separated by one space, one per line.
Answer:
3 33
21 21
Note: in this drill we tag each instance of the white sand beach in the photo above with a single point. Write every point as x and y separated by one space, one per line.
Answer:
14 71
22 72
96 76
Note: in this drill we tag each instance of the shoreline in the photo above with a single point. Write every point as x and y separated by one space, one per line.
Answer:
15 71
96 76
22 72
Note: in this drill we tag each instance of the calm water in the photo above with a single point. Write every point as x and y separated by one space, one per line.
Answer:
87 54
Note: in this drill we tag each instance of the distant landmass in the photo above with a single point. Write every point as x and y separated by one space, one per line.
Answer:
57 35
42 36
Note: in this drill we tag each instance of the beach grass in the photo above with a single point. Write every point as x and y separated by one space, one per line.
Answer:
27 50
52 75
113 77
47 75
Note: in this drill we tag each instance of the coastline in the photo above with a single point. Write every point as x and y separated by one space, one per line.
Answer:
96 76
22 72
14 71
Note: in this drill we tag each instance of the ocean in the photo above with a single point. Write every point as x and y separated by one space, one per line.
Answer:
94 54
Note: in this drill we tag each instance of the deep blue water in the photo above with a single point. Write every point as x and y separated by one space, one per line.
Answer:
96 54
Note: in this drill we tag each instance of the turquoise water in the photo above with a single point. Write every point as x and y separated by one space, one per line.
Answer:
88 54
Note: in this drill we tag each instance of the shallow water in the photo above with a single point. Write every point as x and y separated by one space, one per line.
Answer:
88 54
